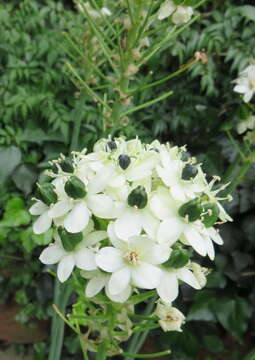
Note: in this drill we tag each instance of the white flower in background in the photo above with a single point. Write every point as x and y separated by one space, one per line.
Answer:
83 255
168 287
247 124
246 83
166 9
182 15
170 318
85 6
97 281
132 262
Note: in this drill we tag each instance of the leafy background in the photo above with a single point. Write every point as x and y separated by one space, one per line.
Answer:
37 115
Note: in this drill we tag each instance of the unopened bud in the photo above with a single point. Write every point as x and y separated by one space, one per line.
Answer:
138 197
69 240
75 188
46 193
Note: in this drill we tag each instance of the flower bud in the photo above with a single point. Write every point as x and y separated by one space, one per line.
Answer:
67 165
211 215
46 194
138 197
170 318
75 188
112 145
124 161
193 209
69 240
199 273
54 168
189 172
178 259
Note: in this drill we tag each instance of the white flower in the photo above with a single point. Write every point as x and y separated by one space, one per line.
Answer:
246 83
182 15
168 287
170 318
170 171
173 227
132 262
99 280
73 214
166 9
82 256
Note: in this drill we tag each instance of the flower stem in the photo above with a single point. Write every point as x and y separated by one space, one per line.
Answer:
148 356
138 340
61 297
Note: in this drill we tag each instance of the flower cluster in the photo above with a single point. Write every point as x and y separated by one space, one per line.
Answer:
245 84
129 216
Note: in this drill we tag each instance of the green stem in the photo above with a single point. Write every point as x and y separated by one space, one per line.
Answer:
76 117
147 356
137 340
235 145
92 93
242 172
169 77
62 293
151 102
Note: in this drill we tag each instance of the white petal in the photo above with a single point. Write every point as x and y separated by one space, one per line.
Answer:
170 230
85 259
109 259
78 218
95 285
168 287
210 248
149 223
248 95
188 277
102 206
95 237
119 280
128 224
65 267
215 236
100 180
42 224
38 208
162 205
158 254
240 89
116 242
178 192
146 276
121 297
195 240
60 208
52 254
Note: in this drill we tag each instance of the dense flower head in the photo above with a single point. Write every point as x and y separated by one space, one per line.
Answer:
129 215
